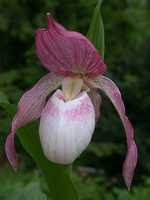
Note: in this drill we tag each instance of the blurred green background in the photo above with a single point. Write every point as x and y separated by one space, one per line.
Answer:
97 173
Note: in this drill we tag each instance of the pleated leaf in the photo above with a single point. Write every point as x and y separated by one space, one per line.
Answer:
96 30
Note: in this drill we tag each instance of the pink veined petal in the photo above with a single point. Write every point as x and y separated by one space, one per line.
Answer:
29 108
67 53
96 100
112 91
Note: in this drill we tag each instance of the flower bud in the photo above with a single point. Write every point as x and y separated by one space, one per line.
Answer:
66 127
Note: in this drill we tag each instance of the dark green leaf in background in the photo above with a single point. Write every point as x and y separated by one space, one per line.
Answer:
20 186
4 103
96 30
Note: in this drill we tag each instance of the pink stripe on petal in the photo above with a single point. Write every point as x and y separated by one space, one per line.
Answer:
96 100
112 91
29 108
10 150
67 53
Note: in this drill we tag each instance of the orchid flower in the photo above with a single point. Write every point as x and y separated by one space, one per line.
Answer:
68 117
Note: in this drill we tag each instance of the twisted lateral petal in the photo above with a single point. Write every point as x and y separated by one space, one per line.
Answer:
112 91
67 53
66 128
96 100
29 109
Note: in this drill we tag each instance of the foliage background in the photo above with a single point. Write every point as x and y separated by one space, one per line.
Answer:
97 173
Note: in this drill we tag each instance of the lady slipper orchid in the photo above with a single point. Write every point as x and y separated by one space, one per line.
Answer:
68 118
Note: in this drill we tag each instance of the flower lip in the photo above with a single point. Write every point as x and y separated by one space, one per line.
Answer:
62 129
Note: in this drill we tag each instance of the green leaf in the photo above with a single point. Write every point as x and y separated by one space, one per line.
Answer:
96 30
4 103
24 186
57 176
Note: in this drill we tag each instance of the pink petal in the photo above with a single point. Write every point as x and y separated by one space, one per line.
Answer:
112 91
67 53
29 109
96 100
